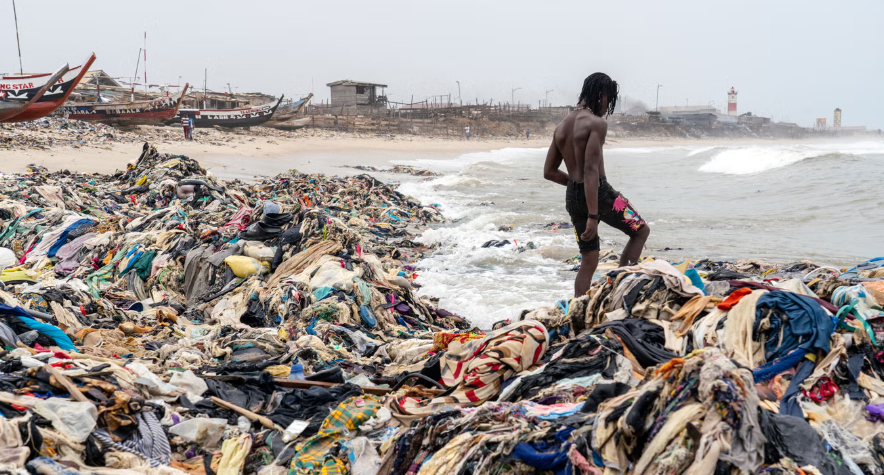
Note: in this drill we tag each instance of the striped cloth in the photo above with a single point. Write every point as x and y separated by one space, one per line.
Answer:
149 441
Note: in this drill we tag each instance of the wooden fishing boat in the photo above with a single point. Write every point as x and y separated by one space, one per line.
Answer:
291 124
52 99
124 114
243 117
289 111
18 99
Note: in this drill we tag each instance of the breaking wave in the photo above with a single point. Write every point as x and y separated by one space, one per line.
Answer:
758 159
698 151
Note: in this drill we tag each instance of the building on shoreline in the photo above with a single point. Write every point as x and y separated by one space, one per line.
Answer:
357 98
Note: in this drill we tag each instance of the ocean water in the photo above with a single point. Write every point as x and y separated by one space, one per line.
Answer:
783 201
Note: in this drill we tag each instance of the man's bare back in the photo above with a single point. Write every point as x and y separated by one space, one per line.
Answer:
571 137
578 142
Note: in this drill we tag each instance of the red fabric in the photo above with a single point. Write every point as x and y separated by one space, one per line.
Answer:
734 298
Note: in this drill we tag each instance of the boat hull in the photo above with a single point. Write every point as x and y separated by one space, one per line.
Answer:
13 105
54 96
291 124
246 117
128 113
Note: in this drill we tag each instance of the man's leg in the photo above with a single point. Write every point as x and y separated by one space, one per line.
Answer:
589 261
633 249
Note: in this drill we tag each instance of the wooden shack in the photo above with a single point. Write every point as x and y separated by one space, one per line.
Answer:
357 98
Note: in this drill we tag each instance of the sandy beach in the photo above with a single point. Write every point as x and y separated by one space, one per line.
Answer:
335 148
244 154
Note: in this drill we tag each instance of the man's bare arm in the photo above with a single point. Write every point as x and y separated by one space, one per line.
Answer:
591 163
551 170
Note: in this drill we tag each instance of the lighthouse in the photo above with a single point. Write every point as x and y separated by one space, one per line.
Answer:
732 102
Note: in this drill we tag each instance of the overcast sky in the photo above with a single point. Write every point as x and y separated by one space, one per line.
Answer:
789 59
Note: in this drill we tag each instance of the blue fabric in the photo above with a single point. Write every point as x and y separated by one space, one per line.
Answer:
63 238
323 292
869 264
562 413
547 455
51 331
770 369
297 371
271 207
696 280
7 310
367 316
789 404
137 249
802 322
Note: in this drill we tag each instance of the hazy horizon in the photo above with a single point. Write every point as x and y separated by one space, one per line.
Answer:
793 61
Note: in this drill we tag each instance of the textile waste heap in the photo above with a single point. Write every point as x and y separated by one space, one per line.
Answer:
160 321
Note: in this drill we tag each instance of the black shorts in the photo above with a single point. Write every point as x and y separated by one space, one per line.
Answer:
614 210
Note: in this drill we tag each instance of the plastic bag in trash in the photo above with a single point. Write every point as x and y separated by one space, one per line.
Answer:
205 432
363 457
75 420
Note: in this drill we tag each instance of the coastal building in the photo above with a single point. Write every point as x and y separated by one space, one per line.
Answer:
700 115
837 121
672 112
749 119
357 98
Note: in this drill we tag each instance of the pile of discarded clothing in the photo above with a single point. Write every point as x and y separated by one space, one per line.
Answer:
162 321
401 169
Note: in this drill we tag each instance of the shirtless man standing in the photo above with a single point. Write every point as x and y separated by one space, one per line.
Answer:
578 141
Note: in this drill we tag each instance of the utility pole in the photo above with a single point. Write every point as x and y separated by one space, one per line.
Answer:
205 86
21 69
513 95
458 94
547 97
657 104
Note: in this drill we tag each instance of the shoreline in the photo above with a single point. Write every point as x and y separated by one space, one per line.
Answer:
216 149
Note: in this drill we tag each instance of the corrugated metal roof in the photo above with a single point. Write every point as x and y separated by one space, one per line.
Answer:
350 82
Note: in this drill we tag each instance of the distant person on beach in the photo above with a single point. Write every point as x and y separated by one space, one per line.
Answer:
527 134
185 122
578 141
466 131
191 128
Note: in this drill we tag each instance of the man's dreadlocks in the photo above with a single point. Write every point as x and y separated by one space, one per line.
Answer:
595 87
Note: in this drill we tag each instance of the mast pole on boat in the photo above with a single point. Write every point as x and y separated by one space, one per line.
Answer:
21 69
145 64
135 78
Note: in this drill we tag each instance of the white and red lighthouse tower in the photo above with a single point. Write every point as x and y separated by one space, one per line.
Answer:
732 102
